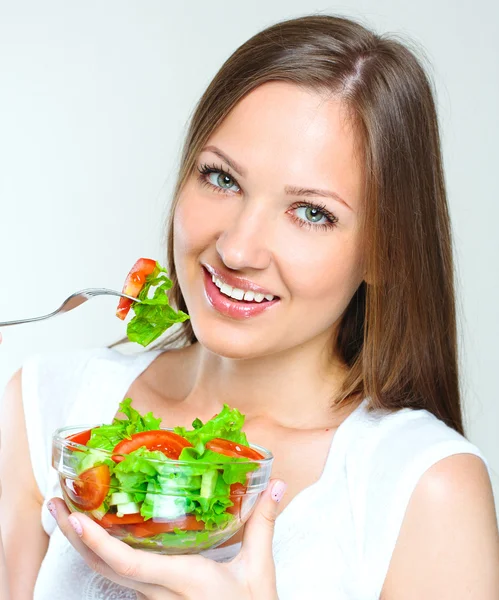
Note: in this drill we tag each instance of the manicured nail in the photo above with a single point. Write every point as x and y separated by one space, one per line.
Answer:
75 524
52 509
278 490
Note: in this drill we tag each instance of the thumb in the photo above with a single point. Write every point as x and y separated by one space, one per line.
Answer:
259 530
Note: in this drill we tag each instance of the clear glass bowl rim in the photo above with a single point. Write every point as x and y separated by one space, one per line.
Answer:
60 439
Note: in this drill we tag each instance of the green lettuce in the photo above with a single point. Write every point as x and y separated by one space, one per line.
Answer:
106 437
234 469
227 425
153 315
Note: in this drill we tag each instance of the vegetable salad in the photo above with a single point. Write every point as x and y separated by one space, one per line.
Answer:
129 476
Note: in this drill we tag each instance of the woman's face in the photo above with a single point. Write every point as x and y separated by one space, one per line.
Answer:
250 225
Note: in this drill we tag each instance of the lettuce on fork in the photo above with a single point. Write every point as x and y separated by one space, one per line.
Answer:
153 314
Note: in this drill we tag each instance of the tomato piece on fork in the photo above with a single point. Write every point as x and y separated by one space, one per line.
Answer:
134 283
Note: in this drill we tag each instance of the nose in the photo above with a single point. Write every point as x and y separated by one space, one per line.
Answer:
244 242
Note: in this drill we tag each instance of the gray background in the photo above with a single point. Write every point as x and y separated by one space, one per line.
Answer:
94 101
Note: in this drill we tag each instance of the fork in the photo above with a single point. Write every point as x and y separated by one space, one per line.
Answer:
76 299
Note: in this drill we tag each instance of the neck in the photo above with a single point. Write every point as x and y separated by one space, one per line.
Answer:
292 389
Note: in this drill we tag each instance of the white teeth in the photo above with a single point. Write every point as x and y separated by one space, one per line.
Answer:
237 293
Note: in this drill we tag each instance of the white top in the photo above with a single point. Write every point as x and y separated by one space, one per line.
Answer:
334 539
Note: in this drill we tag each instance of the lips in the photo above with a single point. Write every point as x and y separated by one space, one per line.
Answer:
235 309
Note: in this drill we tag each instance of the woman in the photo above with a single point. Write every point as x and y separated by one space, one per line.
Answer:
311 176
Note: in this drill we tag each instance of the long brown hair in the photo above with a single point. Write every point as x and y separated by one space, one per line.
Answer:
398 334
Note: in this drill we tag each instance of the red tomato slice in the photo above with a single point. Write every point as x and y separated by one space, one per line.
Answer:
80 438
171 444
90 489
232 449
134 282
237 490
110 519
148 528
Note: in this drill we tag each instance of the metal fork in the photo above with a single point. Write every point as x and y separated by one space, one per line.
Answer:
71 302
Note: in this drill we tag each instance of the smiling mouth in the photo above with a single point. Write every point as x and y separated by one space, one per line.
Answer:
239 294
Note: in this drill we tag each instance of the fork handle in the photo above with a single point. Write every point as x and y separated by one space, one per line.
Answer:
21 321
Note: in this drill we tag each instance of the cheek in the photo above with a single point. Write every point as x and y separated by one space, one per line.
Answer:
191 225
328 273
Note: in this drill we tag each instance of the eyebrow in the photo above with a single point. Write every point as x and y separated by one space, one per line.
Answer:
288 189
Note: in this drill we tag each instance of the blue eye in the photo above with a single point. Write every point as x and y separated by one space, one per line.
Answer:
218 179
312 214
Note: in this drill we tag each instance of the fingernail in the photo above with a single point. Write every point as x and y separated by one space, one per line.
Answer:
52 509
278 490
75 524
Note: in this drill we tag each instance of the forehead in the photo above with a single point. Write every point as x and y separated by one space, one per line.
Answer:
297 133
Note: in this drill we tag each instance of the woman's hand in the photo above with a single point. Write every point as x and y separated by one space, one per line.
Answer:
249 576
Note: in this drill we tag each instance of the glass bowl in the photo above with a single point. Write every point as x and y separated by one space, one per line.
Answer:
172 497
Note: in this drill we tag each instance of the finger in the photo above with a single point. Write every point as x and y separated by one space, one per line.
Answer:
61 513
177 573
259 530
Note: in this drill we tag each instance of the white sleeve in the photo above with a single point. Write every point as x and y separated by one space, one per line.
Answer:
407 446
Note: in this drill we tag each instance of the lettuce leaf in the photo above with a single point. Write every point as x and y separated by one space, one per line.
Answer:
90 458
137 469
153 315
234 470
227 424
106 437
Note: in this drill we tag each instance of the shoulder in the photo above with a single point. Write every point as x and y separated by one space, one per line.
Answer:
389 451
391 454
391 441
448 541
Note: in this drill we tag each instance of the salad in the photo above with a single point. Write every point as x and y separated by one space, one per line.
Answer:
151 483
148 282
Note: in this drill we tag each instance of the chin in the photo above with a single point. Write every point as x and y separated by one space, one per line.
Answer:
229 341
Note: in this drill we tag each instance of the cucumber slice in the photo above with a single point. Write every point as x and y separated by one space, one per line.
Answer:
167 507
120 498
98 513
208 483
130 508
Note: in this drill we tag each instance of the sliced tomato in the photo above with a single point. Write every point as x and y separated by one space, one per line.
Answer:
134 283
89 490
149 528
111 519
237 491
81 437
171 444
230 448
